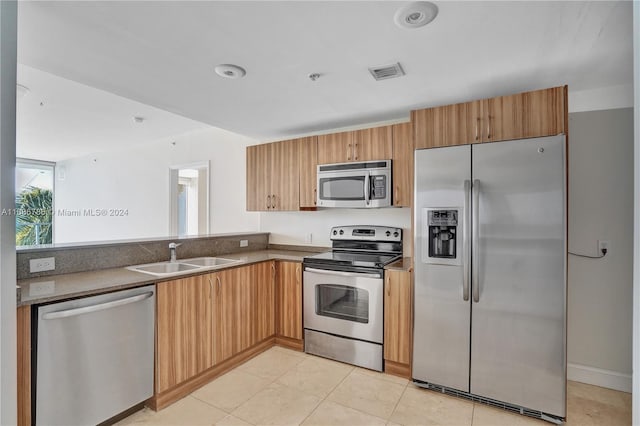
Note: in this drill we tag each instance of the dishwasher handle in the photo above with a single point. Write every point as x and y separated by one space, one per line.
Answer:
95 308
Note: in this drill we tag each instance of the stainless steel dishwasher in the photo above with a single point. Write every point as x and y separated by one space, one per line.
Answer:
94 357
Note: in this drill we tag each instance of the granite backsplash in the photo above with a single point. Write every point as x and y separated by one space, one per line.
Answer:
118 254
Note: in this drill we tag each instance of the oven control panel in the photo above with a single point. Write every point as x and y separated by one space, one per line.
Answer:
366 233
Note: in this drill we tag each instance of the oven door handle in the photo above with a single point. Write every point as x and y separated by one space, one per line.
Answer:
344 274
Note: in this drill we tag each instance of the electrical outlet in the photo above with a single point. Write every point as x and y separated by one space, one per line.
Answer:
42 288
603 245
42 264
244 243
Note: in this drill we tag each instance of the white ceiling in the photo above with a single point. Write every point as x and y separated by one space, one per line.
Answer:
163 54
60 119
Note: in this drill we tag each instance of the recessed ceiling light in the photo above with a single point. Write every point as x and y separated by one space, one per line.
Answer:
416 15
230 71
138 119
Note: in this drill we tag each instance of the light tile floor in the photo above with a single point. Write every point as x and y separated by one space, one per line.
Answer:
284 387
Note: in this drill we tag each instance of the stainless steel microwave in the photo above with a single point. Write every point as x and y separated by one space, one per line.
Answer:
355 185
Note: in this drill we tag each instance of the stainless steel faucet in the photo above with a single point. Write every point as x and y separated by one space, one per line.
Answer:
172 251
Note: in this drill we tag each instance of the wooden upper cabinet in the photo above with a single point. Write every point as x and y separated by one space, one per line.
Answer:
335 148
289 299
448 125
285 175
258 168
184 345
358 145
372 144
308 169
524 115
397 316
402 164
273 176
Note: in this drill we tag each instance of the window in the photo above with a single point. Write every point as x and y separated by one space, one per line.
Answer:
34 202
189 195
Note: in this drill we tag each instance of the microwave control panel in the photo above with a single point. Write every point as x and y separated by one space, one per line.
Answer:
378 187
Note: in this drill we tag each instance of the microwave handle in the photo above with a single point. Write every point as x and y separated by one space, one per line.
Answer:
367 188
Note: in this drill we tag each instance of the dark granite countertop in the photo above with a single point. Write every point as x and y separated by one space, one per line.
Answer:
80 284
403 264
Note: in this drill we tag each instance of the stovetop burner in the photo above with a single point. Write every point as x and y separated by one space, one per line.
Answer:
362 246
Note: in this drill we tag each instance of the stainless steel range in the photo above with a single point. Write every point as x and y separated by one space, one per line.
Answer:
343 294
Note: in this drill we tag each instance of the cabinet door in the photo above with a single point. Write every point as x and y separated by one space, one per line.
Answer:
402 166
284 175
263 301
372 144
258 185
335 148
525 115
289 288
397 316
184 330
233 312
449 125
308 171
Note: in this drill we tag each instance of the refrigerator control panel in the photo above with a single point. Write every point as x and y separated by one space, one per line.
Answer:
442 236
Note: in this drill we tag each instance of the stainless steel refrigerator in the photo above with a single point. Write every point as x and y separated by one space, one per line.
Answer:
490 273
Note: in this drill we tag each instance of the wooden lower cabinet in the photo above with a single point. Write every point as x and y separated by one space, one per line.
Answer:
398 314
184 346
210 320
289 303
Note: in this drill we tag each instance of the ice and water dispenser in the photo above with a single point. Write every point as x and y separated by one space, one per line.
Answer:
441 236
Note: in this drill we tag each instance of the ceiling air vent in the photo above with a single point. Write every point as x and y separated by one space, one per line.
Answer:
387 71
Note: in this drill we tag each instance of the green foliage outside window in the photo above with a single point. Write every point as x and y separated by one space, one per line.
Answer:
34 217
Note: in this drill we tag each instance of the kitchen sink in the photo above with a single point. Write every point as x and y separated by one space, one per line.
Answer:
164 269
209 261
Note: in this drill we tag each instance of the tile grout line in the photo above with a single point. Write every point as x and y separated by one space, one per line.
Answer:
327 395
395 407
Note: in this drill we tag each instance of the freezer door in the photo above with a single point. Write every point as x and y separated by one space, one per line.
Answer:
442 315
518 343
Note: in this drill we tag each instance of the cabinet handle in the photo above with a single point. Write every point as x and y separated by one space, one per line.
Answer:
315 196
388 286
488 127
218 280
348 151
355 151
477 126
298 274
273 270
268 201
210 287
395 196
273 201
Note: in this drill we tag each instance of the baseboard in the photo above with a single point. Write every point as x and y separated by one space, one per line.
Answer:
287 342
397 369
599 377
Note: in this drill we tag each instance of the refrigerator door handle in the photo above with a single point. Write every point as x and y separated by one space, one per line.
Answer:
466 253
474 241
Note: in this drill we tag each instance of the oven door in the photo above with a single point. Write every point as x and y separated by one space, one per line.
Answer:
344 303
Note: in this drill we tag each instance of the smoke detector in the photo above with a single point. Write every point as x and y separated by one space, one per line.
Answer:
416 15
230 71
384 72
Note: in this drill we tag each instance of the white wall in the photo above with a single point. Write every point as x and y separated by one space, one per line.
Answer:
600 308
8 43
137 179
294 227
